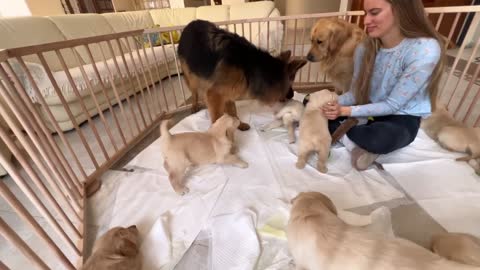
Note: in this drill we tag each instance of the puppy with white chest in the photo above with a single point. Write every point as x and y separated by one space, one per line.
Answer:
314 135
319 240
183 150
117 249
287 116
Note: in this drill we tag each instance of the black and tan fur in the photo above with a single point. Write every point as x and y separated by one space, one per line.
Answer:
222 67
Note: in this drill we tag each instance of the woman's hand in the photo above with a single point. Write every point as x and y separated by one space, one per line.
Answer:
333 110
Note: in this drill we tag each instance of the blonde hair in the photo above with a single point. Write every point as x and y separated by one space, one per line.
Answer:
413 23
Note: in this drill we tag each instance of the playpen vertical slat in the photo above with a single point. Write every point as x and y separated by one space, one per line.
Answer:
22 212
310 22
168 71
41 130
34 199
73 193
250 31
137 75
469 35
155 92
140 88
67 108
439 21
295 37
11 236
148 69
107 99
80 99
476 98
124 84
117 97
177 66
268 36
452 30
303 46
158 72
52 119
243 29
132 84
285 36
465 70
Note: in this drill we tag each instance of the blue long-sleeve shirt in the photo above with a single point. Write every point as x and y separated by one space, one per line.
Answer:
400 79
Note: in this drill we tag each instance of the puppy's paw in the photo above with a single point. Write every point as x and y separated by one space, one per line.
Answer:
234 149
291 141
243 126
322 168
182 191
300 164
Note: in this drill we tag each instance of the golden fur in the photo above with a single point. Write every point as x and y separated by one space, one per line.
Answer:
183 150
314 135
117 249
452 135
459 247
318 240
290 113
333 46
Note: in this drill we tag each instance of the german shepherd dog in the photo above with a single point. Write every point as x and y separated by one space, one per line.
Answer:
223 67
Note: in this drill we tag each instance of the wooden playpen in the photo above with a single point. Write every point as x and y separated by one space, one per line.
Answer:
129 92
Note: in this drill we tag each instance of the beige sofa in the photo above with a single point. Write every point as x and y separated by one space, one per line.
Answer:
27 31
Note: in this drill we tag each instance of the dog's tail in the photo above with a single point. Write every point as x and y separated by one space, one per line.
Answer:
165 135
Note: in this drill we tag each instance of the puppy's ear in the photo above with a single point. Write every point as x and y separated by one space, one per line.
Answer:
328 203
126 248
338 36
294 66
285 55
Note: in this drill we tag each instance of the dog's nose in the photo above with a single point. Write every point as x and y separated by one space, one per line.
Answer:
310 57
132 227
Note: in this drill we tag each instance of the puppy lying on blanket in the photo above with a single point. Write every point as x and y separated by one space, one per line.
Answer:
453 135
180 151
117 249
318 239
314 135
287 116
459 247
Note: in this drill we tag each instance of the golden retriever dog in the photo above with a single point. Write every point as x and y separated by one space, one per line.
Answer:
319 240
287 116
452 135
117 249
180 151
459 247
314 135
333 46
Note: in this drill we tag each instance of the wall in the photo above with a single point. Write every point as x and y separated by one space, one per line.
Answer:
290 7
45 7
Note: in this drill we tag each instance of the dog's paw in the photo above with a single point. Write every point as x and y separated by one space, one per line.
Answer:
234 149
182 191
291 141
300 164
244 126
322 168
243 165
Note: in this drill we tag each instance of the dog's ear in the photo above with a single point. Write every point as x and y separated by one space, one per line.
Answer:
328 203
294 66
338 36
285 55
124 246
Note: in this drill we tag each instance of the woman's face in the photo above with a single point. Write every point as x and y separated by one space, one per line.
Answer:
379 18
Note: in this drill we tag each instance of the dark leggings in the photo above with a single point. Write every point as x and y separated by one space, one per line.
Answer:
384 134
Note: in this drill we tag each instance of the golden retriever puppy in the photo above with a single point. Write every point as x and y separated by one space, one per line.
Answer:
287 116
314 135
117 249
459 247
319 240
183 150
452 135
333 46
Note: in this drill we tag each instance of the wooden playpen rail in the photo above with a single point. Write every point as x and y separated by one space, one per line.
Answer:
120 86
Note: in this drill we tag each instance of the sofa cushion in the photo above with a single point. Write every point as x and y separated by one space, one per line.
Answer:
127 21
28 31
172 17
86 25
214 13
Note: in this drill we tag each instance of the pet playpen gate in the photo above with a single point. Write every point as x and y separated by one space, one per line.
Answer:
131 89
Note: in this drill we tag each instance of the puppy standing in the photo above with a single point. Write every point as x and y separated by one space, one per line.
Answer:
180 151
314 135
333 46
117 249
319 240
287 116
